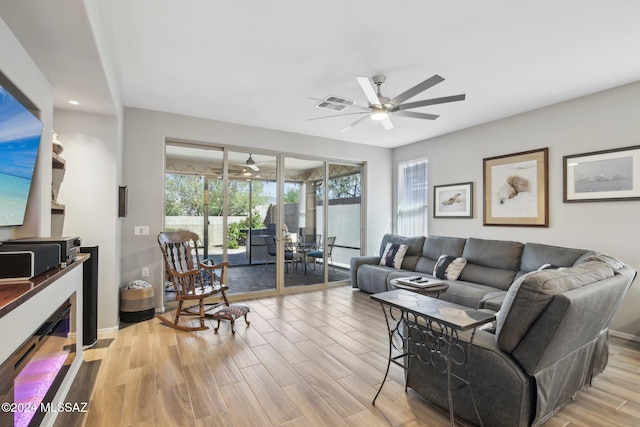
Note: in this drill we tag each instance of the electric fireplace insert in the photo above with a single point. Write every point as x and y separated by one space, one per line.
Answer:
31 376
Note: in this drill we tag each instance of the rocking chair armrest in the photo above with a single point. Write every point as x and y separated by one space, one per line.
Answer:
215 266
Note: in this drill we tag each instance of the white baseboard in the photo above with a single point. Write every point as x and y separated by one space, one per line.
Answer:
624 336
160 309
100 331
107 330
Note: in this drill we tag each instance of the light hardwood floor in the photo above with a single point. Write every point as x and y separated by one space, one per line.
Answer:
311 359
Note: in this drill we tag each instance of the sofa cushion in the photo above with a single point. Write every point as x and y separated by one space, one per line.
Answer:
495 277
414 250
393 255
491 262
493 300
434 247
534 255
449 267
501 254
529 296
465 293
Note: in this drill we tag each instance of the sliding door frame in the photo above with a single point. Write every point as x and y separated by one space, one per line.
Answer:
280 182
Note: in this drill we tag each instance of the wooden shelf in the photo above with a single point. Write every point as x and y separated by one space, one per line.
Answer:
58 162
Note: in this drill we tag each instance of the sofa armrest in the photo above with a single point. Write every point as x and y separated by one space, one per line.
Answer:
357 262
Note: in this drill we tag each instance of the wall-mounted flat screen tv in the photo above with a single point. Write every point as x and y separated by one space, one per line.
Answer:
20 133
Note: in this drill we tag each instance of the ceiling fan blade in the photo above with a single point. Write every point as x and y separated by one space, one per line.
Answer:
369 91
254 168
420 87
415 115
353 124
409 105
387 123
340 115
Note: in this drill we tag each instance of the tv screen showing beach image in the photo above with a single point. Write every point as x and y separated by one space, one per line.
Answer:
20 133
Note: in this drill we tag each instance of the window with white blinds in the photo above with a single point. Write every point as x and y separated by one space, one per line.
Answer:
412 198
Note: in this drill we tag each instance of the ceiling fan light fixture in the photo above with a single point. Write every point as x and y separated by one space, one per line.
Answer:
379 114
380 107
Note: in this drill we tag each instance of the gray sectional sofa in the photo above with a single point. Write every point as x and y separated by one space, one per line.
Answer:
551 338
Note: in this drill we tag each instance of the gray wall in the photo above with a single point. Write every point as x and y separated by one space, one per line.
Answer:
600 121
143 172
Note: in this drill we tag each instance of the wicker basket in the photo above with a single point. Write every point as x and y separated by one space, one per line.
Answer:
136 305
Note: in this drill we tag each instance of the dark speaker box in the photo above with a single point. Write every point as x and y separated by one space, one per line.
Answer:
90 297
23 262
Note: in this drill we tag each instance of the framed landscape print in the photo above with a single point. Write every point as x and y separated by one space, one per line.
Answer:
516 189
602 176
453 200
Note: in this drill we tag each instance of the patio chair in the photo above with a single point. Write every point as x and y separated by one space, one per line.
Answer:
319 253
290 256
192 280
312 241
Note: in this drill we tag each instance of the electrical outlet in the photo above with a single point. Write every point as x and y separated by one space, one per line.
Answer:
141 230
145 271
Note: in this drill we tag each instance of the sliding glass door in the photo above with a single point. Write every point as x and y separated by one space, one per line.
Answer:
342 209
302 178
252 226
281 221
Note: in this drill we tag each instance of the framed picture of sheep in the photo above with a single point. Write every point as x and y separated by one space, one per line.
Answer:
453 200
602 176
516 189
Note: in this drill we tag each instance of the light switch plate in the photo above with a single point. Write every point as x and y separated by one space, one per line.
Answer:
141 230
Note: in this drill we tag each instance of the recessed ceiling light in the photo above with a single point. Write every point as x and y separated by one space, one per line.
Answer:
73 102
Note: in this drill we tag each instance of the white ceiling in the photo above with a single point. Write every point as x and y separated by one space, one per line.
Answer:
258 63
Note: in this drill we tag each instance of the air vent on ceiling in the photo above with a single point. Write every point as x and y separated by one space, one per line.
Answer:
334 103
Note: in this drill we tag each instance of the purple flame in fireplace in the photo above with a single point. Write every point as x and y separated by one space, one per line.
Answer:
33 382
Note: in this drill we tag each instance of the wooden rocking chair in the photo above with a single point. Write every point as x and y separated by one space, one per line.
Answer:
193 280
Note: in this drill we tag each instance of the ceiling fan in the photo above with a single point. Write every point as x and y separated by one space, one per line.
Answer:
251 164
380 107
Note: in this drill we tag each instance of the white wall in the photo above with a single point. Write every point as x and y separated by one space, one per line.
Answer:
143 172
89 192
601 121
18 67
